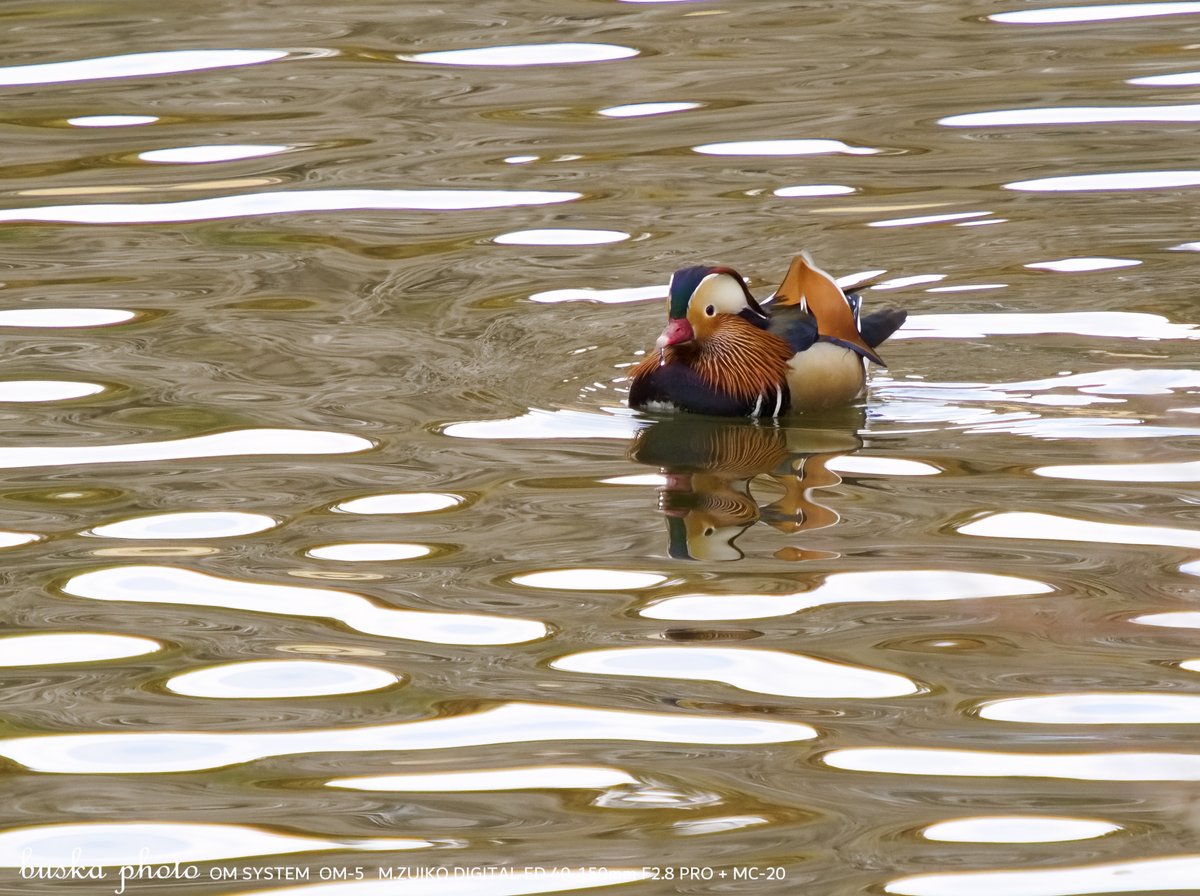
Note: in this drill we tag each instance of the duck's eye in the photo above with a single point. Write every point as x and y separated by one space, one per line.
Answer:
710 310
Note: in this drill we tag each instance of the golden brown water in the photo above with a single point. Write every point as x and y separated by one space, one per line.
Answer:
331 550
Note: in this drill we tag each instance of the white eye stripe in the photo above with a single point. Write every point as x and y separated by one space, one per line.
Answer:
723 292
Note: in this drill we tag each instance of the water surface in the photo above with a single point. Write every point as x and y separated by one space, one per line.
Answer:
331 546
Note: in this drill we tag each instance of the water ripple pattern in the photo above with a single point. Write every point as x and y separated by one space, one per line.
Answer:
187 525
1109 708
849 587
247 205
1017 829
133 65
1125 766
527 54
51 648
1174 873
331 542
45 390
159 752
225 444
128 843
267 679
566 777
185 587
758 670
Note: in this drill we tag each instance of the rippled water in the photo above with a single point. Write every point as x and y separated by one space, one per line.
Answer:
332 553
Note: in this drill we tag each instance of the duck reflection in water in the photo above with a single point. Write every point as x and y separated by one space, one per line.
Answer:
709 464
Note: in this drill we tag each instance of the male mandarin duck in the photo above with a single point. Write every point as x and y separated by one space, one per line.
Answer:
723 353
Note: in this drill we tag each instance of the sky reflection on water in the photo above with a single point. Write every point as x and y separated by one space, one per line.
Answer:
161 752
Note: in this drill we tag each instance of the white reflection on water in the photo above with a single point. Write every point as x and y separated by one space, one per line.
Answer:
237 443
1178 79
927 219
539 424
717 825
185 525
1184 471
914 280
365 551
801 190
982 222
1179 874
1049 527
526 54
606 296
1059 15
656 480
635 110
149 843
561 236
967 403
519 883
1176 619
1112 324
170 585
1118 180
211 153
266 679
400 502
64 317
1123 766
808 147
534 777
847 587
1125 381
878 465
656 796
590 579
54 648
283 202
16 539
1073 115
760 670
133 65
1072 265
511 723
46 390
1017 829
967 287
111 121
1116 708
988 407
849 281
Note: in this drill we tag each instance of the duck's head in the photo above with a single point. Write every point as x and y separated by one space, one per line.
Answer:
699 295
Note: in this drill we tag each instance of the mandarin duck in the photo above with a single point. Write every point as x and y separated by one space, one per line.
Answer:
723 353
